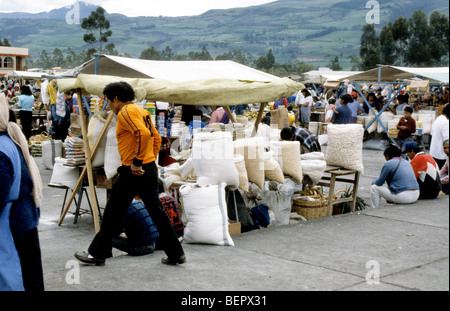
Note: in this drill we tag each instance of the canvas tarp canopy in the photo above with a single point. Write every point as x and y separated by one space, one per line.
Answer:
207 92
392 74
28 74
176 71
321 76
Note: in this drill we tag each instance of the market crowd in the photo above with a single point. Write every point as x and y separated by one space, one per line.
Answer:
410 172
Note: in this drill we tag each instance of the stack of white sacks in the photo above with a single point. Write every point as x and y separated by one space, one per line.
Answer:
218 163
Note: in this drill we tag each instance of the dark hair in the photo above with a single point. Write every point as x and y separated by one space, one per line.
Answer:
402 98
266 120
25 90
286 133
122 90
446 111
332 101
346 98
307 93
372 94
316 98
392 151
408 109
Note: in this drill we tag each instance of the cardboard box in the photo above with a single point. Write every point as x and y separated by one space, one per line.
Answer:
234 227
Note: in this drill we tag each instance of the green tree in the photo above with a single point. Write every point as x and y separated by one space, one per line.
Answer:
401 33
419 49
151 53
334 64
167 54
57 58
110 49
439 33
387 46
203 55
370 48
265 62
97 28
44 60
304 67
5 42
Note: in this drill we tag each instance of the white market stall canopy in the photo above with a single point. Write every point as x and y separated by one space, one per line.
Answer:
385 73
207 92
321 76
28 74
176 71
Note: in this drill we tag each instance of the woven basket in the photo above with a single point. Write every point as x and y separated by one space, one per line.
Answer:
393 133
311 206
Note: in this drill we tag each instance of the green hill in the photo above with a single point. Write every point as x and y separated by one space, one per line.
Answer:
312 31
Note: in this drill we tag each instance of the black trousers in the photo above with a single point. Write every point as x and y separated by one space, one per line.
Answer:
60 131
29 252
26 118
126 187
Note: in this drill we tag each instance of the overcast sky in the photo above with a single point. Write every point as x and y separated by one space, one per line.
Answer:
133 7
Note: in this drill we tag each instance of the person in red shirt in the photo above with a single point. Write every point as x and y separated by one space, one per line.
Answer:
426 171
407 127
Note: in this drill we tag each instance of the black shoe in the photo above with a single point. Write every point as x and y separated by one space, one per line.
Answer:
172 262
83 257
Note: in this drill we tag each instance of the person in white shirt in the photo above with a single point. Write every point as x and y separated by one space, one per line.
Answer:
305 102
439 134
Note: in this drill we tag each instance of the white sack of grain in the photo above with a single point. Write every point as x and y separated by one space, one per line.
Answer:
313 156
374 125
206 214
239 161
213 158
314 169
385 118
254 154
287 153
345 146
272 170
112 156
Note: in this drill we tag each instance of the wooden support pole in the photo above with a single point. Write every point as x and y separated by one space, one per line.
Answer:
230 114
258 118
83 172
87 169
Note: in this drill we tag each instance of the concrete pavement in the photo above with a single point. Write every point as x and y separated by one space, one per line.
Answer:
393 248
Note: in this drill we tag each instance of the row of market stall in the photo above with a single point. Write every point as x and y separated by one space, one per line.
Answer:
254 166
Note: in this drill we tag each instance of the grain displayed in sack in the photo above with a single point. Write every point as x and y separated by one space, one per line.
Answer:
242 171
213 157
287 153
345 146
95 127
112 155
253 152
51 149
206 215
314 169
272 171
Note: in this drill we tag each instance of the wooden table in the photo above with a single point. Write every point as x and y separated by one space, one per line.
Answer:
335 175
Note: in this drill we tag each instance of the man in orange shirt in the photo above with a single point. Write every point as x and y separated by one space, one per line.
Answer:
139 144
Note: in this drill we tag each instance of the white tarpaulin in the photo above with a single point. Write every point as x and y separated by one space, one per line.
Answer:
321 76
176 71
392 74
28 74
207 92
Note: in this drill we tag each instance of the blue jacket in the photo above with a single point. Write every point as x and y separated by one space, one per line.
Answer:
404 178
